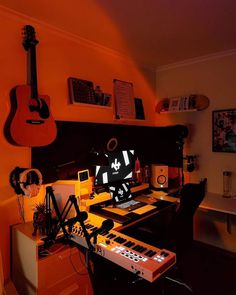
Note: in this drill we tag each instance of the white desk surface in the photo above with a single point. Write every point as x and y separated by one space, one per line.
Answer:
212 201
218 203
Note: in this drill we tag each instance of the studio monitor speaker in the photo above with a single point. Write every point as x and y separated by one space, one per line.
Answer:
159 177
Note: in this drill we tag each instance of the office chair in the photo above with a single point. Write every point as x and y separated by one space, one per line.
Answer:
179 237
172 228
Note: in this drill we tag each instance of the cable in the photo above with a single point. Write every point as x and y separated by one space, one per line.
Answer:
87 263
21 208
180 283
82 262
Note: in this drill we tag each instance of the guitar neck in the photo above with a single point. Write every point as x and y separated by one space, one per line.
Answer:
32 72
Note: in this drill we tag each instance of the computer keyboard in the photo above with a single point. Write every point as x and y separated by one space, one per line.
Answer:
130 205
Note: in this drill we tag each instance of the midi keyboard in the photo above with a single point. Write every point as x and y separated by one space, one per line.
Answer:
140 258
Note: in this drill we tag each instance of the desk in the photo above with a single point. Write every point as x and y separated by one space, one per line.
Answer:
215 202
35 273
211 202
124 217
40 271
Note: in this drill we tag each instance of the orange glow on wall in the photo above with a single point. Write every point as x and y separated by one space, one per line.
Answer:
59 56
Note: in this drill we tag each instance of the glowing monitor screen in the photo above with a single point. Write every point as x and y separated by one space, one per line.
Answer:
120 192
119 169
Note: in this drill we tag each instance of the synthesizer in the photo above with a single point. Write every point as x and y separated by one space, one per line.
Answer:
137 257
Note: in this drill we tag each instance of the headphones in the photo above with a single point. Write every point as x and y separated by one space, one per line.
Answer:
25 181
190 165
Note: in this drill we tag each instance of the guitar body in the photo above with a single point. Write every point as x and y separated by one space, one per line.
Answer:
25 127
29 122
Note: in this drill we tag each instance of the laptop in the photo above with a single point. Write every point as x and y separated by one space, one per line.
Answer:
122 197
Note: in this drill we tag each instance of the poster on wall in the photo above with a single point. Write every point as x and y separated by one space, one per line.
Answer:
224 131
124 99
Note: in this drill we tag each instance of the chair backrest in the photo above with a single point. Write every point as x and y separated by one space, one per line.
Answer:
191 197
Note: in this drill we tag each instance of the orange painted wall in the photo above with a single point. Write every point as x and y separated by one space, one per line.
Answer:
59 56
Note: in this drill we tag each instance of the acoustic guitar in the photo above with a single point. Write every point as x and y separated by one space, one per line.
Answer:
30 122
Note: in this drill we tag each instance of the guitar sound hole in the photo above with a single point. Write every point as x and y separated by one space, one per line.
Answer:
41 107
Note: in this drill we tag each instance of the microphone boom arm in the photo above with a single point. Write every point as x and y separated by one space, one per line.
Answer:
52 231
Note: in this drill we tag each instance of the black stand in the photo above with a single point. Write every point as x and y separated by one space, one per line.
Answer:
53 227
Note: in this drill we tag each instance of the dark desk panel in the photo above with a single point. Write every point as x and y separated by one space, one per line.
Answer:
152 229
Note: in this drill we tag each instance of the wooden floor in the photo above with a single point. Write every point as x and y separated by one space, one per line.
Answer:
207 270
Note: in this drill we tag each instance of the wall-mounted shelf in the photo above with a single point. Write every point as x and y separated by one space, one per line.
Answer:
93 105
190 103
178 111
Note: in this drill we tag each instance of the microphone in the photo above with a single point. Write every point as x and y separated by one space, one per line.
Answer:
81 217
106 226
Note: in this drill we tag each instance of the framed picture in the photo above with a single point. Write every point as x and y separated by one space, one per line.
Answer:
174 104
124 99
224 131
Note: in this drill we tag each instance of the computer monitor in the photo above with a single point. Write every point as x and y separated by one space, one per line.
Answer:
120 192
118 170
117 177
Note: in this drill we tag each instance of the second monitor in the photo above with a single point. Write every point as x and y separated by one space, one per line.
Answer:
117 176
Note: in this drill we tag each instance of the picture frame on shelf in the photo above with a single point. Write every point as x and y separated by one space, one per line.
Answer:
174 104
224 131
124 100
81 91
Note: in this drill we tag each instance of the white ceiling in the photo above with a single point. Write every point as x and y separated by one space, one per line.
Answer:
153 32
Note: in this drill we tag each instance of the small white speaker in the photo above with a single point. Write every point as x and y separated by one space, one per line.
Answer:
159 177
